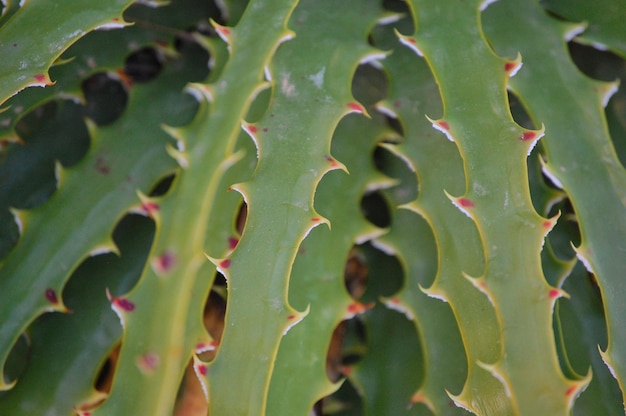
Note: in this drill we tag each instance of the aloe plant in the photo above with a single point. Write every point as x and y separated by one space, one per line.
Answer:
312 207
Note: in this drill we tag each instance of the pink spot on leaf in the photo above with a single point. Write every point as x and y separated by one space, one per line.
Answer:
225 264
527 135
315 219
553 293
51 296
547 224
290 317
570 390
223 30
252 129
40 78
202 369
465 203
148 362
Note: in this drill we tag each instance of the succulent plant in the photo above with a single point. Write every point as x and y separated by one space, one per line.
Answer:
310 207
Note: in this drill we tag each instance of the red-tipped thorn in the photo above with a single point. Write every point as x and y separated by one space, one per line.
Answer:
223 30
528 135
125 78
121 303
356 107
358 307
465 203
149 208
232 242
202 369
418 398
444 125
332 161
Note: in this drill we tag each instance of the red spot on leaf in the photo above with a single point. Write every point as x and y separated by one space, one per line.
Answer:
165 262
465 203
265 129
202 369
252 129
232 242
570 390
547 224
148 362
411 40
554 293
315 219
116 19
395 300
509 66
444 125
290 317
527 135
345 370
225 264
40 78
51 296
